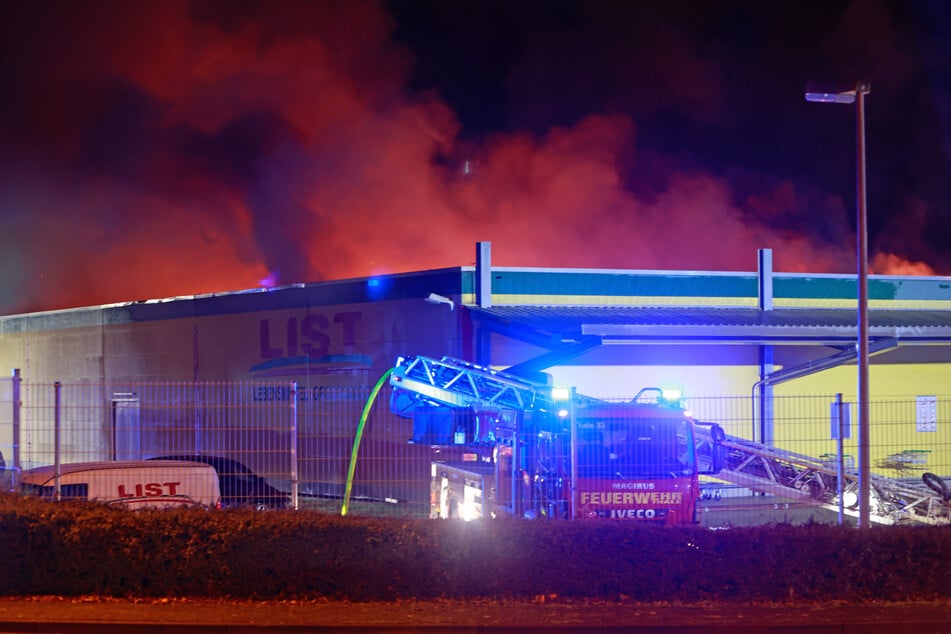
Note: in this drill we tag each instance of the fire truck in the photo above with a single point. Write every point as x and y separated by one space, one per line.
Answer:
508 446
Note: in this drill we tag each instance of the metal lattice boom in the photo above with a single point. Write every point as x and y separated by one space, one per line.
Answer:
810 480
455 383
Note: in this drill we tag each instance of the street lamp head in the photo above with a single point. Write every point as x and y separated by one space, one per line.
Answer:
836 93
831 97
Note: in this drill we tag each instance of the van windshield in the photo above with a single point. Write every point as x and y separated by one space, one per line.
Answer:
67 491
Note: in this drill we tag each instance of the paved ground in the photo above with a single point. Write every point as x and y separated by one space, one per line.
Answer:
51 614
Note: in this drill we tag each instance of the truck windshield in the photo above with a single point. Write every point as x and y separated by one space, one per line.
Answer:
632 449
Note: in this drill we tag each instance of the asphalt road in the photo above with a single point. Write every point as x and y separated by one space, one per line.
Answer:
92 614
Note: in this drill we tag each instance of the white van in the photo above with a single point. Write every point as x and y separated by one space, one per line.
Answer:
134 484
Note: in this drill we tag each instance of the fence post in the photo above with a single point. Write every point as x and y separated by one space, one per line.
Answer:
17 406
573 431
57 428
199 406
294 470
840 457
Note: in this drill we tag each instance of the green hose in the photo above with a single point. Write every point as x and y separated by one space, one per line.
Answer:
356 439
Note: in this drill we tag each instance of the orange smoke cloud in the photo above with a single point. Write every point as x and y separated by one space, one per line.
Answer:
182 148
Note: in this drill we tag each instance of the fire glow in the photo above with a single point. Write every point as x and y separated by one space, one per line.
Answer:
194 151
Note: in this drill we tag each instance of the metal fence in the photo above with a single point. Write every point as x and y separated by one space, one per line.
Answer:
301 441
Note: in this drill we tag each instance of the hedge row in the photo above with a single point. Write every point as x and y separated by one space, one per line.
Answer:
74 549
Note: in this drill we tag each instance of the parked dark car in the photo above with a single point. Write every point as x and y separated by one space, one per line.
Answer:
239 485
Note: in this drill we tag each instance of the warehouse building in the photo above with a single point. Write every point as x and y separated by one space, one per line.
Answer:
604 331
757 336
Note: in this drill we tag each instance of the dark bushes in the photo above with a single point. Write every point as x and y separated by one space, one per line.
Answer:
76 549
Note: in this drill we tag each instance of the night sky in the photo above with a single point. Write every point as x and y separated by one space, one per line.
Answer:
163 147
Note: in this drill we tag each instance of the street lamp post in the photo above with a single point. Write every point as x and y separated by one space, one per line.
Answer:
856 94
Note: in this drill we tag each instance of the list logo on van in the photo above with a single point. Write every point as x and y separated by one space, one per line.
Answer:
149 489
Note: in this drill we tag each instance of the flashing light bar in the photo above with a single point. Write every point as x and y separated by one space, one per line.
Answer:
671 394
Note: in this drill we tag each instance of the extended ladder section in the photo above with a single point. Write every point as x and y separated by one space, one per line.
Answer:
806 479
455 383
